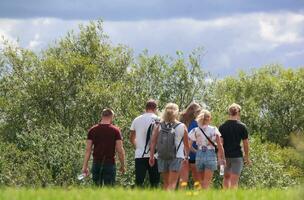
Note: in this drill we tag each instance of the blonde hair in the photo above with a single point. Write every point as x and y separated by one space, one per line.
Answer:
234 109
204 116
190 113
170 113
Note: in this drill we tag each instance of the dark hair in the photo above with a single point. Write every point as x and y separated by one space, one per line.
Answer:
107 112
151 105
190 113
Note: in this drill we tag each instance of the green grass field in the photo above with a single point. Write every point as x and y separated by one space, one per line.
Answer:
125 194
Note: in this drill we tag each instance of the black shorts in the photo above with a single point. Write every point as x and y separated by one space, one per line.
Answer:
192 161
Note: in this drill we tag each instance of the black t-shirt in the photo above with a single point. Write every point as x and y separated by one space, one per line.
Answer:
232 132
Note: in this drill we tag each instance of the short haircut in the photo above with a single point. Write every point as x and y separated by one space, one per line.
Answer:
107 112
234 109
151 105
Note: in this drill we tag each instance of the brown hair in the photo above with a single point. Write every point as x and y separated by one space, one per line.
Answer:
151 105
190 113
234 109
107 112
170 113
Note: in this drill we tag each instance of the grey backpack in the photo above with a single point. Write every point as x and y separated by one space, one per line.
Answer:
166 147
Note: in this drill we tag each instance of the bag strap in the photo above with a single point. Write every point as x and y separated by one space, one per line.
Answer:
149 133
174 127
213 144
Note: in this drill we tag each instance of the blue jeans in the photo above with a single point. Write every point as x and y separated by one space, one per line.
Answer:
103 174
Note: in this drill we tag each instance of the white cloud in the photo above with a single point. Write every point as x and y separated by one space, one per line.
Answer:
232 42
281 29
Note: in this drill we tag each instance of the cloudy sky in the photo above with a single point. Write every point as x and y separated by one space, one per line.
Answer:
236 34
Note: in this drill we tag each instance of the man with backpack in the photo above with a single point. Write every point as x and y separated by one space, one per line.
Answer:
140 136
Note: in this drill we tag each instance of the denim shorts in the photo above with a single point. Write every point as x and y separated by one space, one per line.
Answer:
206 160
169 165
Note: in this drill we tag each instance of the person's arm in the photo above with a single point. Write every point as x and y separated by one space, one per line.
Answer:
246 151
132 138
220 153
87 156
121 155
186 143
153 144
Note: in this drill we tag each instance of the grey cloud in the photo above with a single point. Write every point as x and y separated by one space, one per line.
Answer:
138 10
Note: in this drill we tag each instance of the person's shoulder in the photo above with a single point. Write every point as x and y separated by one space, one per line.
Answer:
180 125
94 127
212 127
241 124
138 118
195 129
115 128
193 123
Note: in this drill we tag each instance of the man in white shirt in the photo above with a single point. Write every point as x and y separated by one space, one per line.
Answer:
141 134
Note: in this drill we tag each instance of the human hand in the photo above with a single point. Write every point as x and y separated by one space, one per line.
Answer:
122 169
85 170
247 161
151 161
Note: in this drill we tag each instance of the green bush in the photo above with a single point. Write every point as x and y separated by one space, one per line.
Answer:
49 155
272 166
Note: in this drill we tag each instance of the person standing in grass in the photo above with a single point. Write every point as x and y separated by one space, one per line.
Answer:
141 133
207 138
188 117
233 132
171 138
105 139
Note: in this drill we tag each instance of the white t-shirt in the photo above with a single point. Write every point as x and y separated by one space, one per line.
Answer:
140 125
179 133
197 135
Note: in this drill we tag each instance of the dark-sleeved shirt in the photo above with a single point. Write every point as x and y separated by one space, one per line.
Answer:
192 125
233 132
104 138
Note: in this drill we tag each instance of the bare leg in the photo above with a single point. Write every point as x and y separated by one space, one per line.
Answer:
208 174
184 173
173 176
234 181
165 176
196 175
227 181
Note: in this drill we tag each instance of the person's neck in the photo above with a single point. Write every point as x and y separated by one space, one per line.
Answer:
105 121
233 118
150 111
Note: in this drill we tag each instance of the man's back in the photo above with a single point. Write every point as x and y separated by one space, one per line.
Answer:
140 125
104 138
232 132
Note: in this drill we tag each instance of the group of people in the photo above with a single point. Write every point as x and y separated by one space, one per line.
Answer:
170 147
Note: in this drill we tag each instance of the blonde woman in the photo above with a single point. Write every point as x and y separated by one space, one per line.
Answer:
171 138
188 117
206 137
